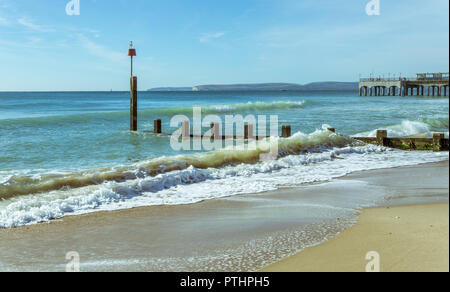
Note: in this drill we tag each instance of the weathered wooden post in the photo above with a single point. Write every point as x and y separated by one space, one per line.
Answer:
185 129
249 131
382 137
133 104
286 131
215 129
133 92
438 141
157 126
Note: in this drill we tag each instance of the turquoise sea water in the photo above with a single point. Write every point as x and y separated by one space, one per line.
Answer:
75 144
70 131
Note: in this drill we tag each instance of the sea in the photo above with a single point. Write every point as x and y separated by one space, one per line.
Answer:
72 153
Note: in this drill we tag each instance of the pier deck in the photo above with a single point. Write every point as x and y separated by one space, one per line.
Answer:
425 84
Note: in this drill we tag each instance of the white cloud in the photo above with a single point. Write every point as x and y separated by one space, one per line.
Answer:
207 37
33 26
3 21
101 51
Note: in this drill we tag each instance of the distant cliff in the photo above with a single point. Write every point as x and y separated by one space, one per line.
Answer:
343 86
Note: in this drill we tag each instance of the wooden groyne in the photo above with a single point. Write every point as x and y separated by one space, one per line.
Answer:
437 143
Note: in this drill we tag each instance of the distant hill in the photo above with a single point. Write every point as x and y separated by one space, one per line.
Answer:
171 89
344 86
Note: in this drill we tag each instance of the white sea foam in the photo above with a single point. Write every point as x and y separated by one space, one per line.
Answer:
257 106
193 185
405 129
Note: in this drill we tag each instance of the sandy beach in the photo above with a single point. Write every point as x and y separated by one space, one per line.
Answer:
250 232
407 239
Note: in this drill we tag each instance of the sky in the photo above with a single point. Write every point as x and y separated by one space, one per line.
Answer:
195 42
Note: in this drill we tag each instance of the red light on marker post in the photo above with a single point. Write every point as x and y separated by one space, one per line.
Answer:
131 53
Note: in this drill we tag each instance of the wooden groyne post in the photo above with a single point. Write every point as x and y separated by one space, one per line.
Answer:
286 131
133 104
437 143
382 137
215 129
157 126
249 132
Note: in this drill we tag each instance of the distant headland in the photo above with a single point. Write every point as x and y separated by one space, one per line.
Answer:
316 86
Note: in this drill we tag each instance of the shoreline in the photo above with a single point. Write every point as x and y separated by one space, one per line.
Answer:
352 175
411 238
238 233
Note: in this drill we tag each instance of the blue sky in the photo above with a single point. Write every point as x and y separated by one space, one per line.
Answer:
192 42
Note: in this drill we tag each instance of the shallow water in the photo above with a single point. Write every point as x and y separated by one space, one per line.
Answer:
71 153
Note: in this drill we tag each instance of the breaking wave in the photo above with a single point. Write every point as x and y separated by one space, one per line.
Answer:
421 128
297 144
88 118
185 179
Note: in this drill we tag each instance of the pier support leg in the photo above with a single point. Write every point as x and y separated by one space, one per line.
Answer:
438 142
428 91
133 104
439 91
157 126
394 89
382 137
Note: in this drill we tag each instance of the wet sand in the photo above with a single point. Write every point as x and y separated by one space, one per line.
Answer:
240 233
407 239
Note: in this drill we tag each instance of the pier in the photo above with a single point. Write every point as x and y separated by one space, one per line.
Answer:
425 84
